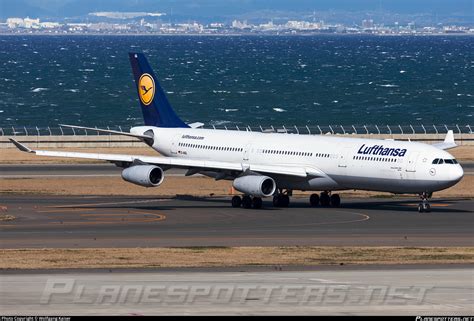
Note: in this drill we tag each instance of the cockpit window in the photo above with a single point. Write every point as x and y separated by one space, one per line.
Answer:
444 161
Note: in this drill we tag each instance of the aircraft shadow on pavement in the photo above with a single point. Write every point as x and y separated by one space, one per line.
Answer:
194 202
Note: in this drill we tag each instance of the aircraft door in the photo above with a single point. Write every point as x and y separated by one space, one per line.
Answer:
411 165
174 145
344 156
343 160
247 153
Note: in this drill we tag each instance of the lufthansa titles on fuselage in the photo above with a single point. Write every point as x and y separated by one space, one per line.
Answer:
381 151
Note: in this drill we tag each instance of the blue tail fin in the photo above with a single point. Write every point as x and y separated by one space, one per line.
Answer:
156 108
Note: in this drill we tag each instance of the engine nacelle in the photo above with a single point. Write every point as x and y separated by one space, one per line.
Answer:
255 185
144 175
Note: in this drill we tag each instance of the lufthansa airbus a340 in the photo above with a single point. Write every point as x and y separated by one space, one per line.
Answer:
273 164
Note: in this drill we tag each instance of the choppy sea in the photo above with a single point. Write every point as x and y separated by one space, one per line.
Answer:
243 80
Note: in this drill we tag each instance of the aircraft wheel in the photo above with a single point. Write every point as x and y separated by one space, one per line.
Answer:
257 202
246 202
276 201
324 199
281 200
236 201
426 208
335 200
314 200
420 208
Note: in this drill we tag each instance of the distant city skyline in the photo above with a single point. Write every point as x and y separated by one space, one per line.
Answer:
344 11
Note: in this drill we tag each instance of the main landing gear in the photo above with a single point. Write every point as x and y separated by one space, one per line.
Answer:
424 206
247 202
325 199
282 199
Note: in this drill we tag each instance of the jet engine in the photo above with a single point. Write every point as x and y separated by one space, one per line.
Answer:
255 185
144 175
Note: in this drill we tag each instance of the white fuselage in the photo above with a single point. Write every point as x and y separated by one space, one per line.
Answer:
347 163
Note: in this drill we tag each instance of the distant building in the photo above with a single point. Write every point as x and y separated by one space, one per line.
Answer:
304 25
190 27
367 24
50 25
14 23
216 25
269 26
236 24
31 23
27 23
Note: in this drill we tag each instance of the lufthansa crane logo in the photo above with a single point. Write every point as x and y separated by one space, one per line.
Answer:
146 89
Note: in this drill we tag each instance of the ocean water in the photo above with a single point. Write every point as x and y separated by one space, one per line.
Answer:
248 80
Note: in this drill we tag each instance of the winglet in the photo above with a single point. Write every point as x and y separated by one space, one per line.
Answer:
448 141
21 147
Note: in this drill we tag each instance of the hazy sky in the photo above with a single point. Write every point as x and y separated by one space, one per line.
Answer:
229 8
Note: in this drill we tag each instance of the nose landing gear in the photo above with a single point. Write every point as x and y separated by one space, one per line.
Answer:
424 206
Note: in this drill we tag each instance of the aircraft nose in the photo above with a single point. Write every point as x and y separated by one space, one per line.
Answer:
456 173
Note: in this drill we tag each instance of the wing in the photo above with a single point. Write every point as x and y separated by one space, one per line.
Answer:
448 141
170 162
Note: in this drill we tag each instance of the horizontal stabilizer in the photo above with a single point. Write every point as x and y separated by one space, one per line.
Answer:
115 132
196 125
448 141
